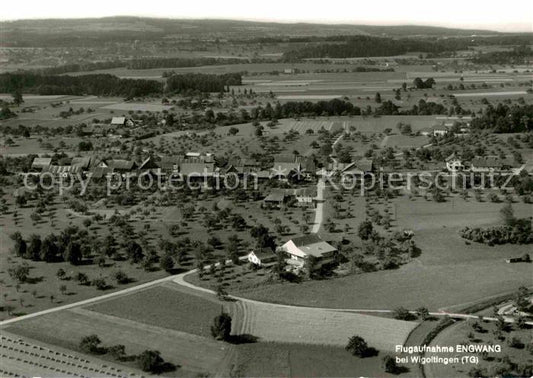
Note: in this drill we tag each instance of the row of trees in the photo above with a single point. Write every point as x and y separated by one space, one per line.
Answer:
514 230
149 360
110 85
95 84
505 118
365 46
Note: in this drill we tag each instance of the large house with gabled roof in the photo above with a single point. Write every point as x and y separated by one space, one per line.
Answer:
307 247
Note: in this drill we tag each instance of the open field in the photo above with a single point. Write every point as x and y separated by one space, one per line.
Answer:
138 107
319 326
297 360
181 312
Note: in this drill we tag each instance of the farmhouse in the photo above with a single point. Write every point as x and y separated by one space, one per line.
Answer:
199 169
122 121
440 131
274 200
262 257
41 164
241 166
492 163
293 166
84 162
309 247
170 164
454 163
64 170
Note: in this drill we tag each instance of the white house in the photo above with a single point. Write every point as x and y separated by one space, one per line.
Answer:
454 163
264 257
440 131
302 248
122 121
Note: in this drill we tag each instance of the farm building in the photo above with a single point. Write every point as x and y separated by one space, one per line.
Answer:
306 247
199 169
303 197
296 166
263 257
84 162
170 164
241 166
122 121
440 131
41 164
117 165
275 199
454 163
64 170
492 163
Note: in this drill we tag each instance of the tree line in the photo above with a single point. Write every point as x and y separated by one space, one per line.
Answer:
365 46
518 55
110 85
504 118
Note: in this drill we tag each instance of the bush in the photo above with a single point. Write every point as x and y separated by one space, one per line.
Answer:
389 365
151 361
403 314
357 346
121 277
82 278
117 351
91 344
100 283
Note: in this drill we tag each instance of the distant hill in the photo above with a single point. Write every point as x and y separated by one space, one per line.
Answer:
65 32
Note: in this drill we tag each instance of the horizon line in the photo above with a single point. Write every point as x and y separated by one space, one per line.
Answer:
381 23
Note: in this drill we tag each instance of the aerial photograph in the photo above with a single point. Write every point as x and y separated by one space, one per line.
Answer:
281 189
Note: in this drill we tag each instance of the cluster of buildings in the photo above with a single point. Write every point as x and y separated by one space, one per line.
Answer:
481 164
307 250
284 168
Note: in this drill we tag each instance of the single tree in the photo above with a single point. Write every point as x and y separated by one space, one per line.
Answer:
221 327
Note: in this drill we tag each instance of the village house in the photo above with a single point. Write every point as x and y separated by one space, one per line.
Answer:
435 131
198 169
122 121
41 164
241 166
262 257
275 199
170 164
121 166
302 197
454 163
493 164
293 166
307 248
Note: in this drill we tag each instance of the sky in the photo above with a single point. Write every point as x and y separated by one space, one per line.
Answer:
508 16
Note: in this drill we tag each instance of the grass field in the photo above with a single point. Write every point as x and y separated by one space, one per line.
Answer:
274 323
164 307
296 360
